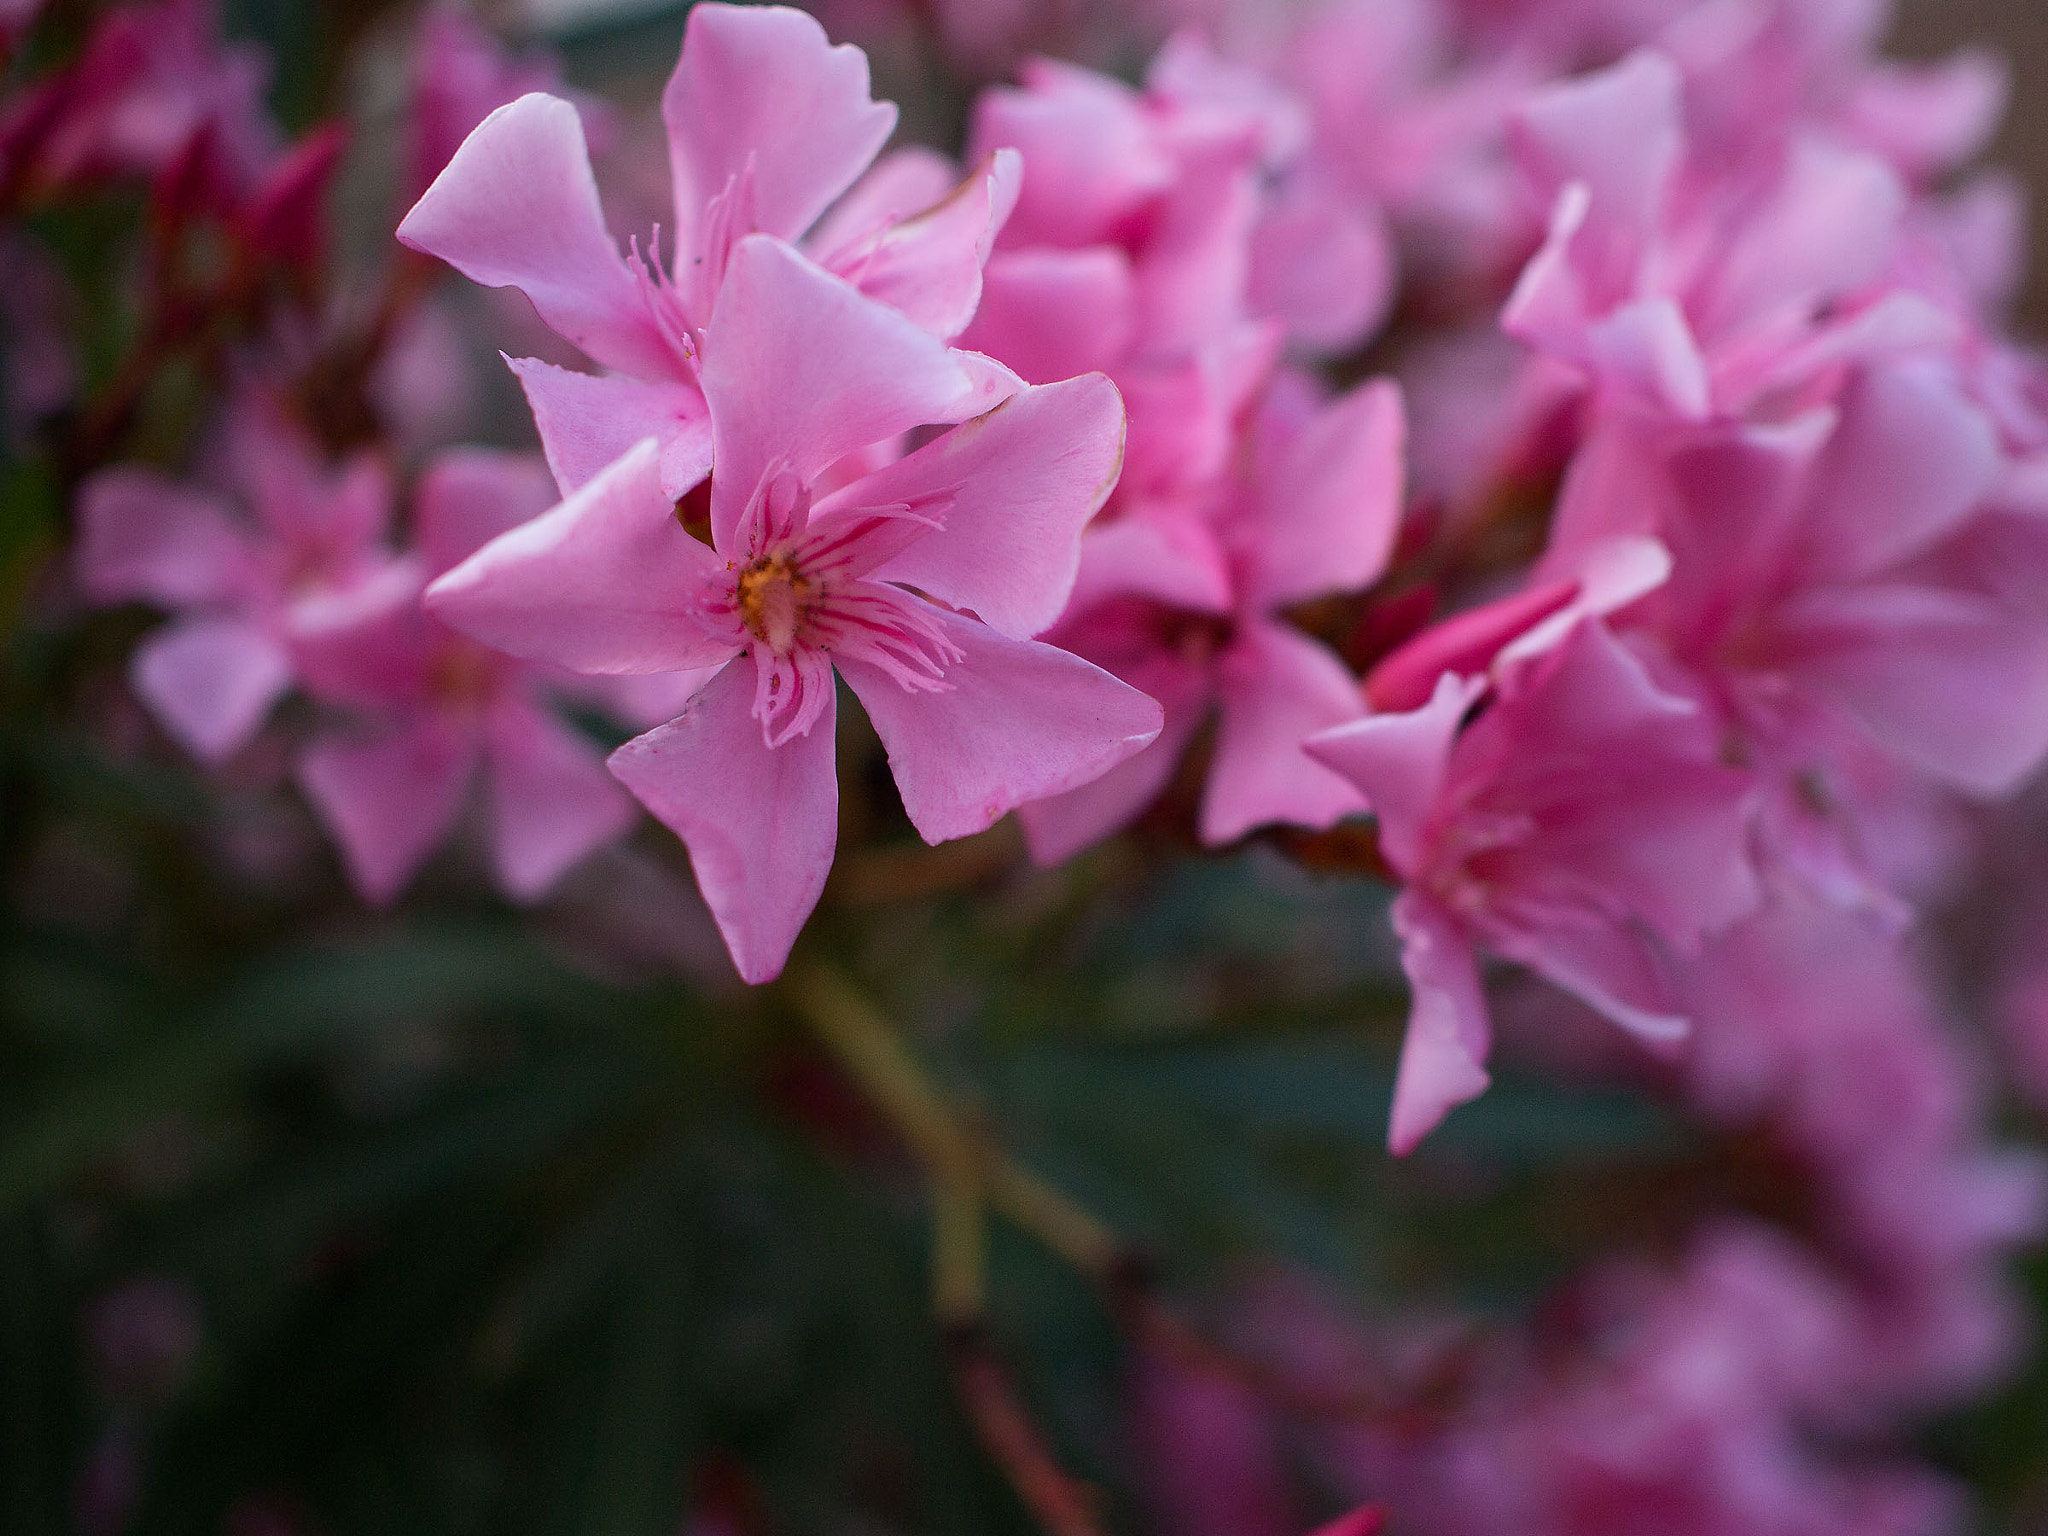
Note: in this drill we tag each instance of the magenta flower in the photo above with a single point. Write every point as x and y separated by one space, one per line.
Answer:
1825 600
1580 827
806 573
768 125
436 705
1188 608
241 589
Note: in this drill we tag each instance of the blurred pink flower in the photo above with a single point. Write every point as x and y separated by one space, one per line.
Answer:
801 576
436 705
242 589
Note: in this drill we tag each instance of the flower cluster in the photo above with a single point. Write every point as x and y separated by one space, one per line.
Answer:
1564 461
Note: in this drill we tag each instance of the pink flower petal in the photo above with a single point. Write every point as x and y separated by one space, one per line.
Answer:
1014 489
388 802
1163 555
760 822
1016 721
1324 266
1091 156
607 582
802 369
1604 964
210 682
587 421
929 266
552 802
468 496
761 90
1279 687
517 208
1053 314
1444 1052
1057 828
141 535
1330 508
1398 762
370 647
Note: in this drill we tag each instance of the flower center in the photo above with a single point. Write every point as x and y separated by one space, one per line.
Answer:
774 598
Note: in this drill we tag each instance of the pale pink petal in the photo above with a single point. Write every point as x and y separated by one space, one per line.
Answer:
468 496
551 799
1053 314
1013 490
607 582
1159 554
1909 461
210 682
900 185
517 208
1091 155
760 822
1602 963
390 801
1607 577
1398 762
1949 682
761 90
929 266
1646 351
1016 721
1929 119
1278 688
1330 508
588 421
801 369
1325 268
1443 1055
144 536
1057 828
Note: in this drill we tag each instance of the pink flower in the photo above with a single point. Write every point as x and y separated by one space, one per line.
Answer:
1188 608
437 705
1827 596
768 125
460 75
1579 827
241 589
806 573
1690 288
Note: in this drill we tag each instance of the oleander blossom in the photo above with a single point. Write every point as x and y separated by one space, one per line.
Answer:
769 126
811 557
1580 826
242 568
423 708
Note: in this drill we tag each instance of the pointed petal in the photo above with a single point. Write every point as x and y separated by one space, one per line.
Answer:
552 802
1464 644
1398 762
1014 489
1092 155
929 266
517 208
763 88
210 682
144 536
468 496
1167 557
801 370
760 822
1443 1055
607 582
900 185
1330 507
1052 314
1017 721
1605 965
1279 688
387 803
1910 459
588 421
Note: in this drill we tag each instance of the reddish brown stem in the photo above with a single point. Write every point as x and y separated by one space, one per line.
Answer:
1060 1503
